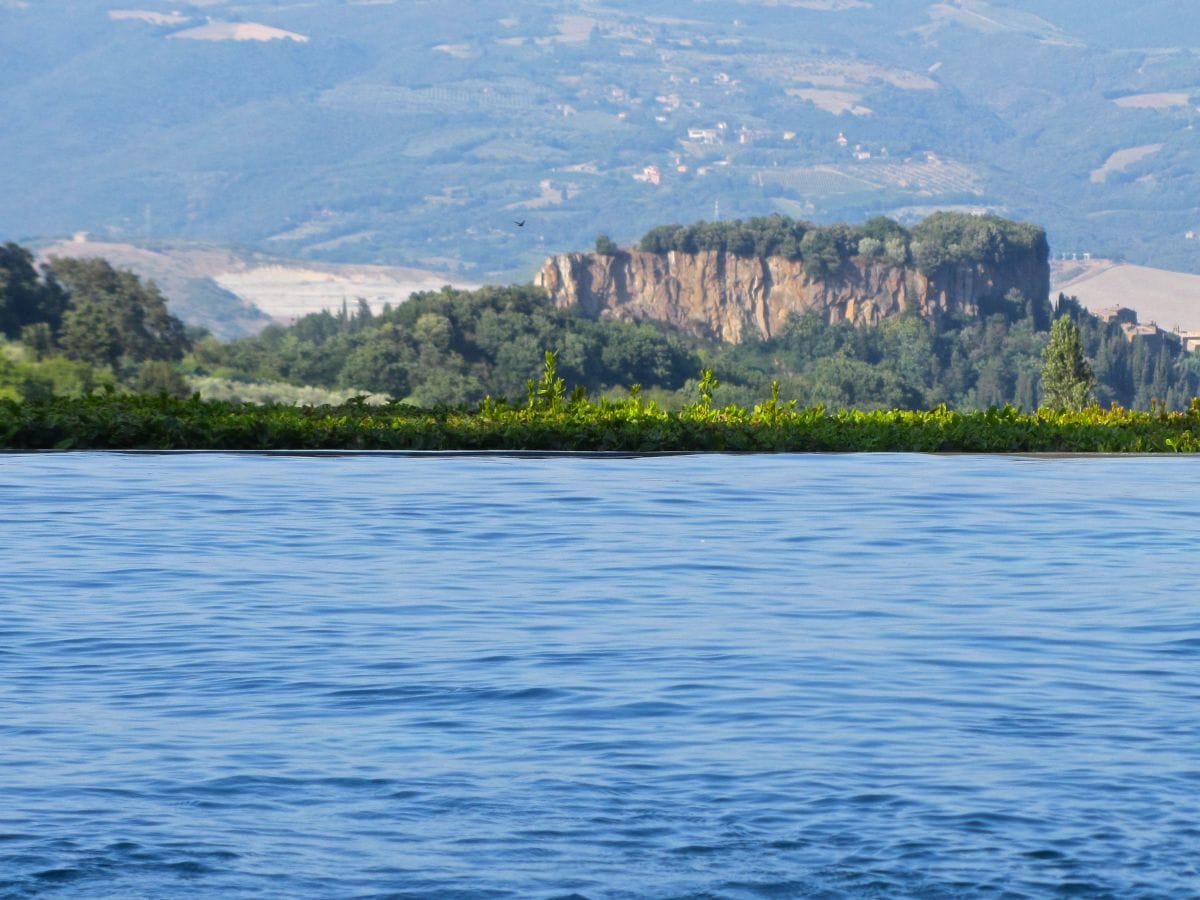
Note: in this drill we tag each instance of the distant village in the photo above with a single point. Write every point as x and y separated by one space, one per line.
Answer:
1133 330
699 137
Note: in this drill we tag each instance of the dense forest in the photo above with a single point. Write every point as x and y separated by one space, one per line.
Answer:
72 327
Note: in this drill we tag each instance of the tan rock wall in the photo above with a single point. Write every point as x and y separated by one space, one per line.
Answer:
717 295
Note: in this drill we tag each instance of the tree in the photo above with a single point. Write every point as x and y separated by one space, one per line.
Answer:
157 376
39 338
870 247
1067 379
381 363
90 334
27 297
114 316
606 246
824 250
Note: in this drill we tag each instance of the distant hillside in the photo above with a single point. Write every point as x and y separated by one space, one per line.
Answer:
416 134
1168 299
234 294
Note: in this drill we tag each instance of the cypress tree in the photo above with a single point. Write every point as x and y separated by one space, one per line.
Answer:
1067 379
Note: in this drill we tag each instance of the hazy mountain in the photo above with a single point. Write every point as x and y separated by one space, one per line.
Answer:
417 132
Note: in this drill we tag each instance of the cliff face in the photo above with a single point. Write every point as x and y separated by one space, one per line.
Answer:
716 295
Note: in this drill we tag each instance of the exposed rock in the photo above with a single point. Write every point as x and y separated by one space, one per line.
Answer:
717 295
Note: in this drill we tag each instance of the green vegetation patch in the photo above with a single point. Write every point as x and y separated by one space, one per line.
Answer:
552 421
940 242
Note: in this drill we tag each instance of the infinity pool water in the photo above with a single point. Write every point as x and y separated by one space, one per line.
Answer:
689 676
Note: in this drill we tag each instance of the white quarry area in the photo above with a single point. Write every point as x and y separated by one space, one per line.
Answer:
288 292
211 30
239 31
285 289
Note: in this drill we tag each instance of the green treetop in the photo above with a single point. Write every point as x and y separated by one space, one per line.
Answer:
27 295
114 315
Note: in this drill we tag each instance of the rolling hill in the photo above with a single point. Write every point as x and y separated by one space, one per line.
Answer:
1170 300
416 133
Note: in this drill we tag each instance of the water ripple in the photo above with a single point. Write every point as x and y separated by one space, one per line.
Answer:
710 676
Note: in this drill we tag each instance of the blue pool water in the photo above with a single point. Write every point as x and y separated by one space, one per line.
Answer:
685 676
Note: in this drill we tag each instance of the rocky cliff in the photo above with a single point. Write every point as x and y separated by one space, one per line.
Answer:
718 295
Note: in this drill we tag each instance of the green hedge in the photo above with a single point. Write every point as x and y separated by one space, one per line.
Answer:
551 422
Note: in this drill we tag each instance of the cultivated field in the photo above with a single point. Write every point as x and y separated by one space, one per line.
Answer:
1160 100
1122 160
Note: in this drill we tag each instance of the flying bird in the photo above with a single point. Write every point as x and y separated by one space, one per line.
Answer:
520 224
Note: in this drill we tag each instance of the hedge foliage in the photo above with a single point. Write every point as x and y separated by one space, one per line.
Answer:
552 421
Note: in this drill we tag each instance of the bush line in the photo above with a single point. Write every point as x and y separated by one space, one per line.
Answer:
552 422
